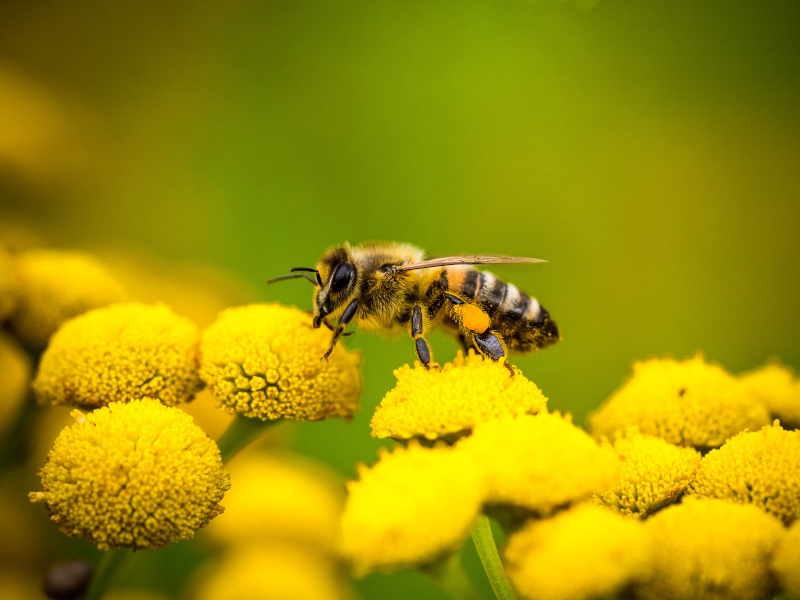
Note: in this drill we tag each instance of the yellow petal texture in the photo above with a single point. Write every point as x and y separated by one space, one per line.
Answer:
712 550
760 468
55 286
136 475
688 403
120 353
9 287
271 571
448 402
539 462
786 561
412 506
583 552
654 473
777 386
280 496
264 361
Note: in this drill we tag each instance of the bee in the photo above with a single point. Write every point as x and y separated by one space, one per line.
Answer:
392 286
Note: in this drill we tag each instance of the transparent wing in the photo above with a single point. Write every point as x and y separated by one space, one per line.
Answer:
473 259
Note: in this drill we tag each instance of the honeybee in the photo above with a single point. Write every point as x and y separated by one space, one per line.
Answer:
393 286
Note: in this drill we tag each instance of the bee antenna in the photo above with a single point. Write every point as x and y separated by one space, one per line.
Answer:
294 275
309 270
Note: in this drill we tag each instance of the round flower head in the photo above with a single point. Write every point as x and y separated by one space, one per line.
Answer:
710 549
786 561
759 467
264 360
688 403
654 473
15 376
279 496
411 507
539 462
136 475
120 353
448 402
8 285
55 286
583 552
778 388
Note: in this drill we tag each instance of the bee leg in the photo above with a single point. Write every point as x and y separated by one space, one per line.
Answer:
420 344
346 317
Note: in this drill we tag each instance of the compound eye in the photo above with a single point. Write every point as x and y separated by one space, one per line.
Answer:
341 276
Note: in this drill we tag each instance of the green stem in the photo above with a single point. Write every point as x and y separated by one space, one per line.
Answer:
451 577
106 569
487 551
240 433
13 450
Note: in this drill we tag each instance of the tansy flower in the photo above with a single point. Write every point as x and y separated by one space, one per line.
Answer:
688 403
538 462
8 285
272 571
282 497
759 467
448 402
654 473
264 360
120 353
583 552
15 374
786 561
135 475
710 549
411 507
778 388
55 286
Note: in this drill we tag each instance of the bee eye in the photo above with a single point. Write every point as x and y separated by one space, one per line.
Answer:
341 276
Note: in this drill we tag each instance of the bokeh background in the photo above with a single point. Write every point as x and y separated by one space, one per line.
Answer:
649 150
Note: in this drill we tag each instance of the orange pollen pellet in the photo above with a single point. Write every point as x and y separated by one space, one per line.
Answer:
474 318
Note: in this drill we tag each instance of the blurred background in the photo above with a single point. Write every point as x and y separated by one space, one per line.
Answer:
649 150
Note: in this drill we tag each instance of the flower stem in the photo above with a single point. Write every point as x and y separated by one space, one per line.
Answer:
106 569
13 450
487 551
240 433
449 574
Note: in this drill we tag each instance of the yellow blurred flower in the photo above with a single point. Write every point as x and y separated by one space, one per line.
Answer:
15 375
448 402
412 506
711 549
136 475
264 360
282 497
654 473
688 403
9 286
759 467
272 571
583 552
55 286
120 353
777 386
538 462
786 561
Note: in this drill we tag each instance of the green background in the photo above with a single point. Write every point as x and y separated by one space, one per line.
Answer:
648 150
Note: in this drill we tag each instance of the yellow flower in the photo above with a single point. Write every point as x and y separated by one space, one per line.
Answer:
280 496
654 473
411 507
120 353
759 467
448 402
583 552
688 403
265 361
136 475
538 462
15 374
786 561
8 285
778 388
710 549
55 286
273 571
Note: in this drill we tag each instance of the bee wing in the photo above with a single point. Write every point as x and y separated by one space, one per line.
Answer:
473 259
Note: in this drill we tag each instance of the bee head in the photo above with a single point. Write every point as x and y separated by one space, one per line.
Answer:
336 275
